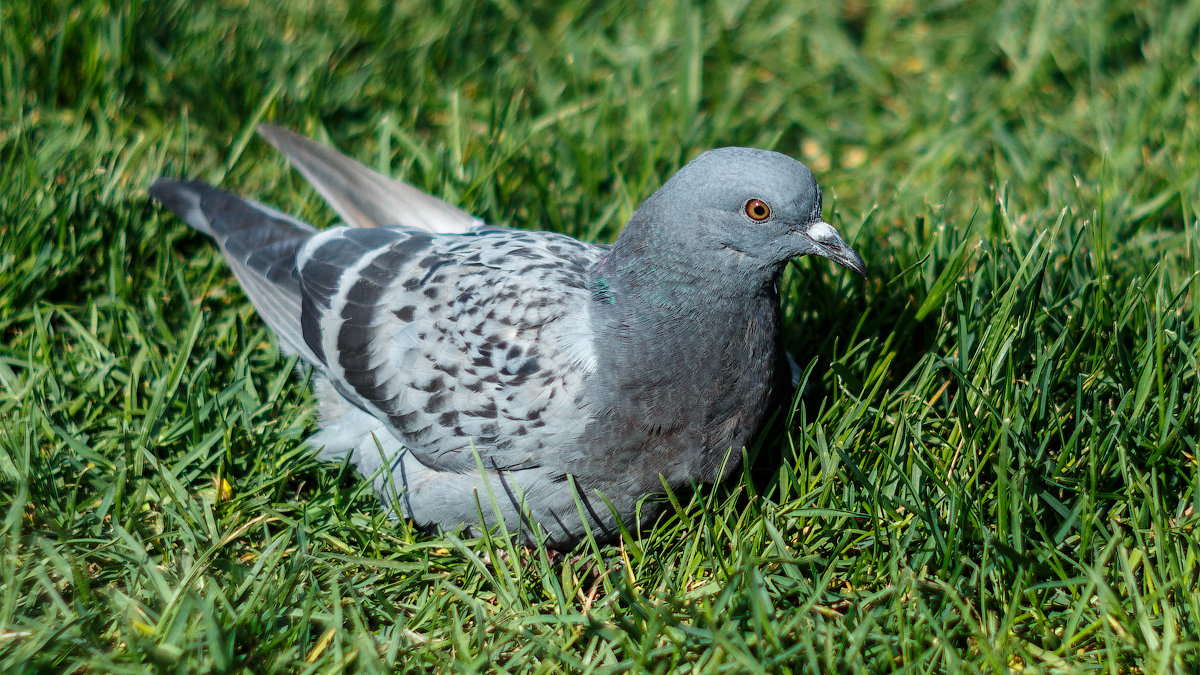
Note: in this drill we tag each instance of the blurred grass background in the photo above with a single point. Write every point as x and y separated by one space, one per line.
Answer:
993 466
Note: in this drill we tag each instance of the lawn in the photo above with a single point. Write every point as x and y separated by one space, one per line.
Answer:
993 462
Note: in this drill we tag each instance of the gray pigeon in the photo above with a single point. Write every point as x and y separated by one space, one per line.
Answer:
527 376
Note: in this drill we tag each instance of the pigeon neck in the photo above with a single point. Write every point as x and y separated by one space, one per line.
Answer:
662 305
667 300
644 269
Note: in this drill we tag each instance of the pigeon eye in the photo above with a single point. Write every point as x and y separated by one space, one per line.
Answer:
757 209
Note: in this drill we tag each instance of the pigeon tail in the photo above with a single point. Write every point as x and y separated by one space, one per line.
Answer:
260 244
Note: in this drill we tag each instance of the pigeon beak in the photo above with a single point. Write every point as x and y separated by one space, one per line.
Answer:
829 244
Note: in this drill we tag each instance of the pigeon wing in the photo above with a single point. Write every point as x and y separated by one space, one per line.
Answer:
458 343
362 197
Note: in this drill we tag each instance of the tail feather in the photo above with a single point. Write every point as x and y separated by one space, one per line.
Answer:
260 244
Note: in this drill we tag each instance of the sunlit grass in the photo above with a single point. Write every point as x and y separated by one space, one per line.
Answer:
992 464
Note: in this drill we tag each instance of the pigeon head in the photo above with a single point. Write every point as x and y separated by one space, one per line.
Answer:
752 209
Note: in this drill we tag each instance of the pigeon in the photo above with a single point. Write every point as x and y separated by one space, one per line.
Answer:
483 375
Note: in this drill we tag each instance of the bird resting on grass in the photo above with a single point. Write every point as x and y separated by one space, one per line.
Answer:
477 372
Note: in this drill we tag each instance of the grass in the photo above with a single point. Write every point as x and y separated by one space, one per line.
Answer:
993 465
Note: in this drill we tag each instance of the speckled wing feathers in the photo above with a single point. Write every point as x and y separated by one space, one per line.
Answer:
454 341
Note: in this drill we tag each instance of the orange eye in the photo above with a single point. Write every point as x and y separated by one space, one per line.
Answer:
757 209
